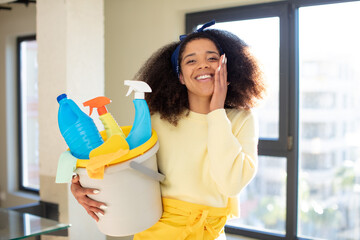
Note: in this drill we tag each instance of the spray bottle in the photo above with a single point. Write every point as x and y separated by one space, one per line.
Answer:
110 124
141 129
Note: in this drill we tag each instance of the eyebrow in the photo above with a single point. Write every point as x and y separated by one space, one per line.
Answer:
208 52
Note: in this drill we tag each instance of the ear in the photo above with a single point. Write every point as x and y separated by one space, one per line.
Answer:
181 78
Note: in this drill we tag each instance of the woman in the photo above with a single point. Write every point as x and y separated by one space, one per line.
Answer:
203 89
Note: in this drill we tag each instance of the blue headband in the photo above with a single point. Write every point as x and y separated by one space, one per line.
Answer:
175 55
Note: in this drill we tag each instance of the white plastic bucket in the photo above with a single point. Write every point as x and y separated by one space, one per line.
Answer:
131 191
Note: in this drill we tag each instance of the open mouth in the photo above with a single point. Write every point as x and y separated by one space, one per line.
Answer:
204 77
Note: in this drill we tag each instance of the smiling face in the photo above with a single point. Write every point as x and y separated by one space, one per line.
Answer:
199 62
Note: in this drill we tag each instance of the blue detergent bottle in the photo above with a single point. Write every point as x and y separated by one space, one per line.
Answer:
77 128
141 129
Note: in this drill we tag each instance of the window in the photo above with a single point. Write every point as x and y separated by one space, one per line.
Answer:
263 202
28 114
308 182
267 53
328 161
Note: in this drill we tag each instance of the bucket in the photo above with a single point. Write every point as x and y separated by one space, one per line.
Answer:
131 191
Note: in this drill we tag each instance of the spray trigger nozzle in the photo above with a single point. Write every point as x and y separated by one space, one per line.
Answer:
99 103
129 91
139 87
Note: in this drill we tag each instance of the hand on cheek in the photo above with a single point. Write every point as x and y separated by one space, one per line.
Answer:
220 85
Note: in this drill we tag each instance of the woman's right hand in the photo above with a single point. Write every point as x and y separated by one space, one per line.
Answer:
92 207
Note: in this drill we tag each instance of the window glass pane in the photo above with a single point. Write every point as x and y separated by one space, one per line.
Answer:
329 149
29 114
263 36
263 201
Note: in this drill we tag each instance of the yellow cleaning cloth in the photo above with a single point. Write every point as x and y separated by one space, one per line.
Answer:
183 220
112 149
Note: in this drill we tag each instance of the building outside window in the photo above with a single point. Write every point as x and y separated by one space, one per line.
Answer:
333 51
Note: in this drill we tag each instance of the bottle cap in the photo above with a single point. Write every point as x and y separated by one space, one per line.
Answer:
61 97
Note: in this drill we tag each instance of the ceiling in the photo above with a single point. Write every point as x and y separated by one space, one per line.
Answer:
6 4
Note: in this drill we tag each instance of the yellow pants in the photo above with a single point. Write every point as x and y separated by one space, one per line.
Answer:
183 220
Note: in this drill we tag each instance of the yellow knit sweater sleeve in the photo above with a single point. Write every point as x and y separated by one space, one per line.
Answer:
232 149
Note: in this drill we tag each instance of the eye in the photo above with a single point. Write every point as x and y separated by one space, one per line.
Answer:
190 61
214 59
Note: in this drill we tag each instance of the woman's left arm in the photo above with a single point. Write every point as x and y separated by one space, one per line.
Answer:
232 149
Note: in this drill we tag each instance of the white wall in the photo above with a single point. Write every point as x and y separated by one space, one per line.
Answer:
20 21
70 36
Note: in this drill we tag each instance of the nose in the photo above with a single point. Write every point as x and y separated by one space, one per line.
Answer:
203 64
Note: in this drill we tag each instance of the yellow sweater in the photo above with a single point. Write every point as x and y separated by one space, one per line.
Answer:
207 158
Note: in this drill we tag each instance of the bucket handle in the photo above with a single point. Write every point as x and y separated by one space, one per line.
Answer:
147 171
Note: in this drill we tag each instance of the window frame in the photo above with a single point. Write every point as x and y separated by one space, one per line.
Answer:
287 145
19 40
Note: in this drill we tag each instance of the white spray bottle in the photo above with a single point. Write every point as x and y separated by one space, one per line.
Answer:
141 129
